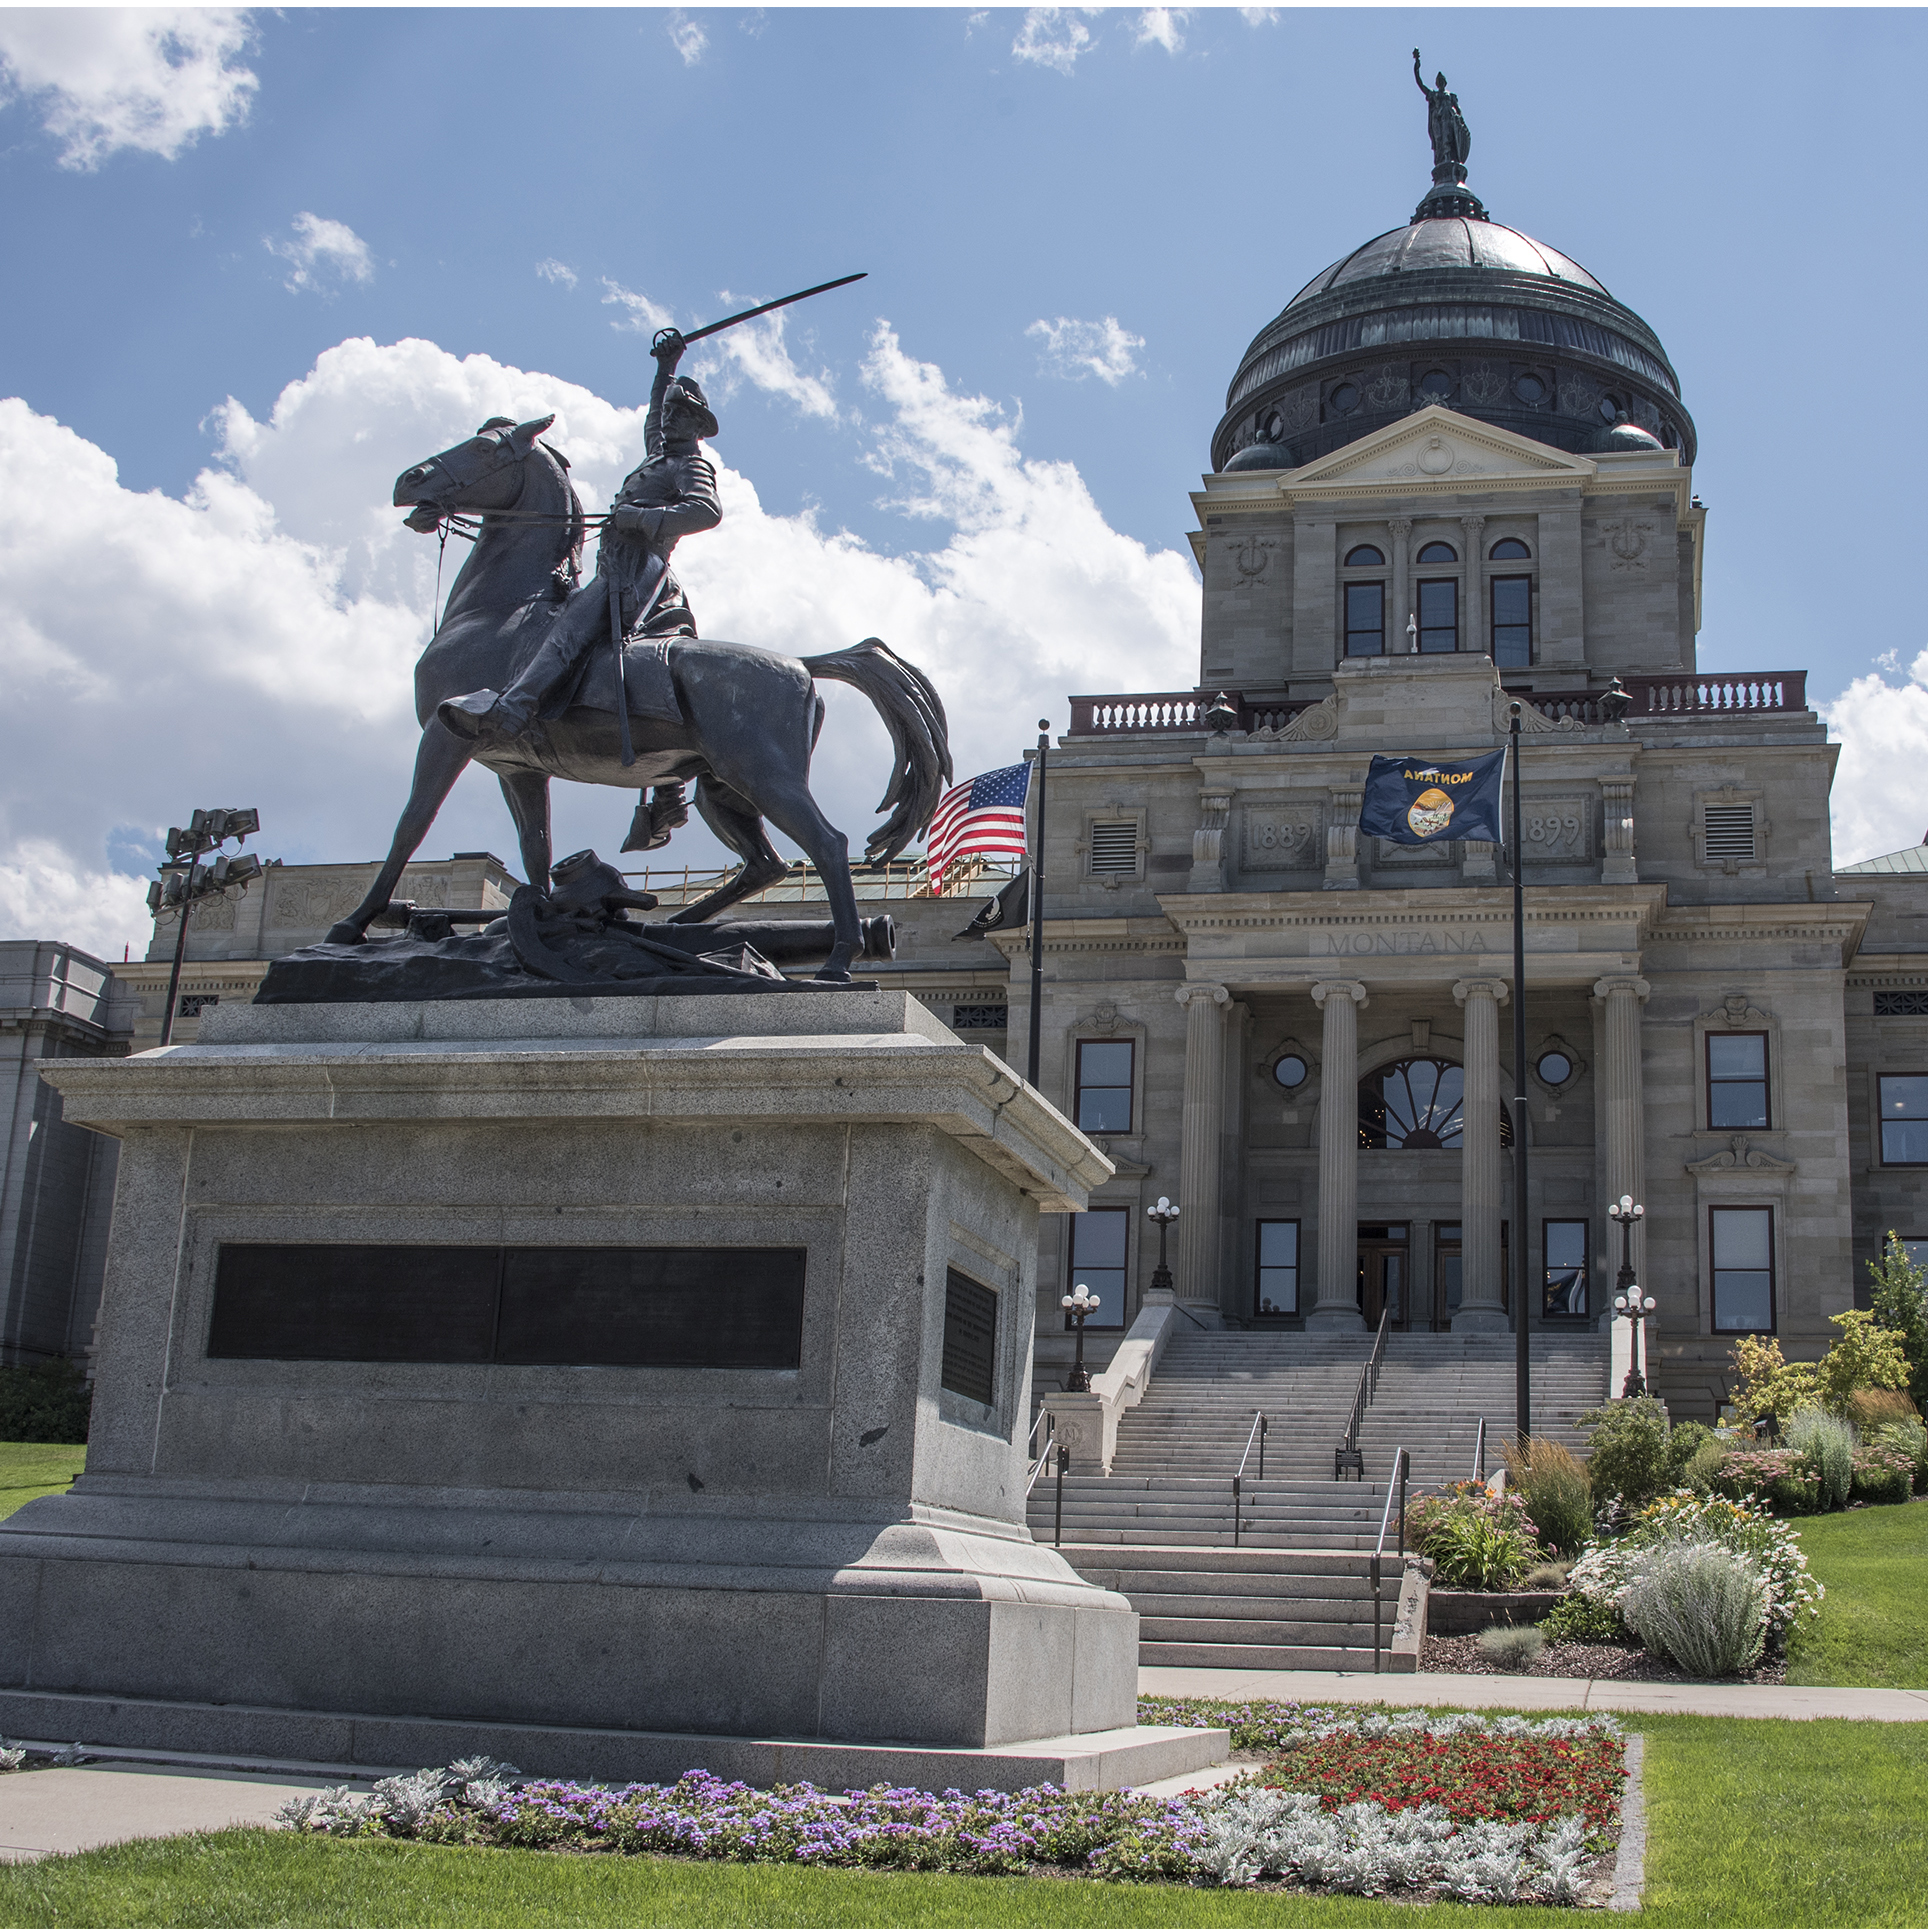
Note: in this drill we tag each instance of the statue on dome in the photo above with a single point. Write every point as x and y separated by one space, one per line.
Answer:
1452 143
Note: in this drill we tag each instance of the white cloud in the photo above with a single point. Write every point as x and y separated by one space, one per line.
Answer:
556 271
1259 16
641 316
1883 729
1054 37
322 252
1160 27
688 38
1075 349
756 352
107 78
253 642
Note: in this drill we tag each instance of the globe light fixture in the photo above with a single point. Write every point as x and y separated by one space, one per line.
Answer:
1079 1305
1161 1215
1627 1302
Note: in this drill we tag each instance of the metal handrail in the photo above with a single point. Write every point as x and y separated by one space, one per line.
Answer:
1479 1451
1348 1454
1401 1461
1238 1479
1049 1422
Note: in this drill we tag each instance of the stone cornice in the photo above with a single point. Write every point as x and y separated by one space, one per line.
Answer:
1836 923
1444 904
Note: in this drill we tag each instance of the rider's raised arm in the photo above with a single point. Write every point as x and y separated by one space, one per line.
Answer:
668 351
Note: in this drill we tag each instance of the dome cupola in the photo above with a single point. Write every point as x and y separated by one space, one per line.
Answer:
1457 309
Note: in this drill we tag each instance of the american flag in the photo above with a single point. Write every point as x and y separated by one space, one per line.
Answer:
983 817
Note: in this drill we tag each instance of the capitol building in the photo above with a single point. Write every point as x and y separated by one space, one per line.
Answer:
1453 473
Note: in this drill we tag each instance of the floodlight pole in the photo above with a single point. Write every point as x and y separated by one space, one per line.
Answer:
1522 1330
1037 918
180 952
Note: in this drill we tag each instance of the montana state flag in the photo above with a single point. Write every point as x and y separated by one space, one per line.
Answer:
1411 801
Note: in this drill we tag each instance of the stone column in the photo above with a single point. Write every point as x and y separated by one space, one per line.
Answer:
1480 1310
1472 619
1341 1000
1617 861
1621 1103
1196 1286
1399 602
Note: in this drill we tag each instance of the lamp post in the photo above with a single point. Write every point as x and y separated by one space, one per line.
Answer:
1161 1215
1627 1301
1080 1304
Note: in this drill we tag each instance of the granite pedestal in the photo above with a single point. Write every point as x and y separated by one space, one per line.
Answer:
818 1558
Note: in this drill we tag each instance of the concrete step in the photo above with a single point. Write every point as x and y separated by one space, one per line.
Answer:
1210 1654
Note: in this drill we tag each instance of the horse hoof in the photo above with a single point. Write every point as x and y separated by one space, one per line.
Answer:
346 932
829 977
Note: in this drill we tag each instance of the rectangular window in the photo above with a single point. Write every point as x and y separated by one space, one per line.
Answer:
1098 1261
1104 1085
1742 1238
1114 850
1564 1242
970 1339
1512 622
1365 619
1737 1081
1729 837
1438 617
1917 1251
1904 1121
1277 1289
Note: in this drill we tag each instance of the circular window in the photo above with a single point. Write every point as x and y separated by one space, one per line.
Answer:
1511 550
1345 398
1438 385
1290 1071
1610 408
1439 553
1554 1068
1364 557
1274 427
1530 390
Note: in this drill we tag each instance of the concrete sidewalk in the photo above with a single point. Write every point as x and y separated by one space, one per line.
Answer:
58 1811
1536 1693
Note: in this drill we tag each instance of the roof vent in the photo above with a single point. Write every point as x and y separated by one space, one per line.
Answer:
1114 850
1730 833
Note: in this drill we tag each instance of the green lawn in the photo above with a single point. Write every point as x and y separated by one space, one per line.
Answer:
1755 1825
1873 1630
27 1471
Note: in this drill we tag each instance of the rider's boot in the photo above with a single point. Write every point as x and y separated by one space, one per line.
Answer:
660 813
484 713
508 713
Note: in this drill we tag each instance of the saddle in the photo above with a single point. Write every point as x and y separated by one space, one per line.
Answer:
649 681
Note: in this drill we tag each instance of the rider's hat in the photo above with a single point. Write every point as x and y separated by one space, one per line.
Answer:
692 398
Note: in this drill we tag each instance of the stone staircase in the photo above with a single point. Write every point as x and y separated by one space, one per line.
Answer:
1294 1592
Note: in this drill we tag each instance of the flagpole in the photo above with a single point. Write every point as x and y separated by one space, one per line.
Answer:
1037 909
1522 1310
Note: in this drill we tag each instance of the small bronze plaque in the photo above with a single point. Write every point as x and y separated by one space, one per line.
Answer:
970 1339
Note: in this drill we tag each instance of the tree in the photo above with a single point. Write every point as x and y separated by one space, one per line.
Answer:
1900 1307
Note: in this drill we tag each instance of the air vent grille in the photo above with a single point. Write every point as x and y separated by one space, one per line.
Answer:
1901 1004
1114 850
1730 833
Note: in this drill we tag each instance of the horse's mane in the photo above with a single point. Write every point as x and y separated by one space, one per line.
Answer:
578 528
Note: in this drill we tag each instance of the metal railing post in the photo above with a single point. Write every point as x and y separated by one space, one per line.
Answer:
1057 1531
1262 1433
1237 1516
1396 1482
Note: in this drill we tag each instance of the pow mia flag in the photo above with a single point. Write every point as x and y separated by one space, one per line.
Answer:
1411 801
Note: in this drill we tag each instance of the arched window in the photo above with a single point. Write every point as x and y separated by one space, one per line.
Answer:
1416 1106
1439 553
1509 549
1364 557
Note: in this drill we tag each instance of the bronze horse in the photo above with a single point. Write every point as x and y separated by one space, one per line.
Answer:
748 721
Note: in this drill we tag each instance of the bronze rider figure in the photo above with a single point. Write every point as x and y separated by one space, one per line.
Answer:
672 495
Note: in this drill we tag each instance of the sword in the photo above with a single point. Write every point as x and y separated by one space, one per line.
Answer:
664 335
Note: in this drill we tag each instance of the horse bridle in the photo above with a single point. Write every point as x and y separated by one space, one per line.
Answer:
465 477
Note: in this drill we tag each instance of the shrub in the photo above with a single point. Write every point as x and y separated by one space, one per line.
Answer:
1865 1357
1826 1445
1604 1573
1900 1307
1702 1606
1628 1450
1515 1649
1907 1437
1703 1469
1881 1477
1769 1384
1475 1550
1548 1575
1684 1440
1554 1486
47 1403
1777 1476
1579 1618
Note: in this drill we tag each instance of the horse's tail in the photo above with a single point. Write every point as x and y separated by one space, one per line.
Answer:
913 713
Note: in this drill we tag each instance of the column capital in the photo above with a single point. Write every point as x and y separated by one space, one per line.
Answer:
1496 989
1604 987
1329 987
1400 525
1218 994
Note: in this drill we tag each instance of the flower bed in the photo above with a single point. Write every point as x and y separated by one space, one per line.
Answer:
1464 1807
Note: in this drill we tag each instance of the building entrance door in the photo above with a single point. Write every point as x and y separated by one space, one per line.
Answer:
1446 1273
1385 1273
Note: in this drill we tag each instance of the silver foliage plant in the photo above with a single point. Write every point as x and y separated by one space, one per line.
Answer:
1703 1607
10 1758
1827 1443
1364 1849
476 1782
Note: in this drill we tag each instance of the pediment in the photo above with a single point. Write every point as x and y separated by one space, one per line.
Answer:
1437 445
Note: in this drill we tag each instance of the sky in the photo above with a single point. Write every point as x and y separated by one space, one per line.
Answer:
260 262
